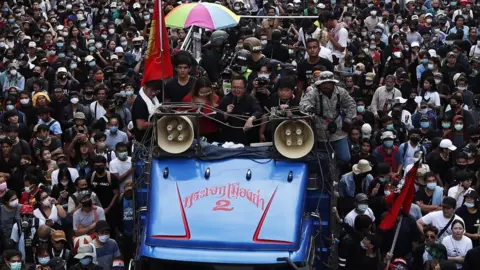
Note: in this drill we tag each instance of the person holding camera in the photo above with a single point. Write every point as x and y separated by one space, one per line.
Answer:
264 83
23 232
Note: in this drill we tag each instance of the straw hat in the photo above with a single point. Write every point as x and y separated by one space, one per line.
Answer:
362 166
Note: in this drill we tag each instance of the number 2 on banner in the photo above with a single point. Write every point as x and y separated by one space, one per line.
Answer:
223 205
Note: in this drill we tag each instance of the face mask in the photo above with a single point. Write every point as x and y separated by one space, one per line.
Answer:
85 261
333 2
362 207
364 34
429 20
458 126
389 127
62 165
103 238
263 42
73 66
13 203
44 260
387 192
430 66
104 36
373 47
91 48
431 186
388 144
469 205
74 100
83 25
99 169
3 186
423 111
92 64
453 4
425 124
263 76
382 179
146 17
16 266
59 44
124 43
399 21
13 72
27 189
61 55
65 34
113 129
111 31
360 109
122 155
128 93
98 45
10 107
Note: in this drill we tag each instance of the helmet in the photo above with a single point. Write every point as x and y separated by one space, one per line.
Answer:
240 62
218 38
252 44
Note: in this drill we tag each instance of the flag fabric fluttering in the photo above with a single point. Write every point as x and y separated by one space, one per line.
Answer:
400 200
158 62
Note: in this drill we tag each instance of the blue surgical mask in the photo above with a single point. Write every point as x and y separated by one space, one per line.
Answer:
124 43
388 144
43 260
10 107
425 124
11 20
458 126
430 66
59 44
92 64
446 125
122 155
389 127
469 204
431 186
16 265
73 66
85 261
453 4
425 61
129 93
370 5
382 179
113 129
360 109
333 2
362 207
61 55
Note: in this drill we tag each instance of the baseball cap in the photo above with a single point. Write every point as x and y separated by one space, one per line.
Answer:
361 197
32 44
84 251
471 194
446 143
59 236
62 69
101 226
56 263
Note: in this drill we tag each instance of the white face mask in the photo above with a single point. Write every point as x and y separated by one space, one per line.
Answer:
24 101
13 72
13 203
74 100
103 238
111 31
373 13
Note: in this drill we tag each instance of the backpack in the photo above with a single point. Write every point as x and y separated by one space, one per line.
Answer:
36 225
50 125
109 177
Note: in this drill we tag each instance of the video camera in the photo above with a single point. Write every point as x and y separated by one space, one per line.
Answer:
262 82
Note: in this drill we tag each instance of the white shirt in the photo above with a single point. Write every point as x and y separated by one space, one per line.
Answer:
452 192
350 217
120 167
342 36
432 97
439 221
53 215
325 53
97 110
21 240
457 247
73 174
406 118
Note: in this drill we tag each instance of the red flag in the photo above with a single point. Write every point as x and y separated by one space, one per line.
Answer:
158 63
404 199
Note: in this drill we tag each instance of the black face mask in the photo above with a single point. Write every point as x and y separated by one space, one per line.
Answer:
36 74
100 169
62 165
414 139
461 167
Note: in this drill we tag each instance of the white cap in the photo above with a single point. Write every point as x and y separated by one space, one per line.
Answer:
366 131
136 39
113 57
90 41
113 4
432 53
415 44
446 143
89 58
32 44
62 69
118 50
136 5
400 100
60 27
387 135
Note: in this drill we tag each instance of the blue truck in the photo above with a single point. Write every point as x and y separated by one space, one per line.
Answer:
233 209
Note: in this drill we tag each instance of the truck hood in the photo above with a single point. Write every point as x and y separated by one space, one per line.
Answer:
225 210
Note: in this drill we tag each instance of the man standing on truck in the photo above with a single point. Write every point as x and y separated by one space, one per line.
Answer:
334 111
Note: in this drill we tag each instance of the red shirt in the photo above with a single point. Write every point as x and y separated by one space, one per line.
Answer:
207 126
29 198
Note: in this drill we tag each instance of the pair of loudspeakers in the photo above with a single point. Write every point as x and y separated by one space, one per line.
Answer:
292 139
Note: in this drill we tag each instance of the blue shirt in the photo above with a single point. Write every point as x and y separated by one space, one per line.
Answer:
55 127
127 216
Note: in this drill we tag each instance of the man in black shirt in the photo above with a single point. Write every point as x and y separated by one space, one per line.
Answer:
305 68
141 111
178 87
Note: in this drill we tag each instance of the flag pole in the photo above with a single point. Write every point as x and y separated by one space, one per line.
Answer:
395 237
161 21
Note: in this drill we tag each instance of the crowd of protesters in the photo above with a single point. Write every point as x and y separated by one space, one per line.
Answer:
388 83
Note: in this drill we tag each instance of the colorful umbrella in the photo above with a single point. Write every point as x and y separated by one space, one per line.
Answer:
205 15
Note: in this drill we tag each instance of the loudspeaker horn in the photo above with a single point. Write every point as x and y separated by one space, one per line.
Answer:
293 139
175 134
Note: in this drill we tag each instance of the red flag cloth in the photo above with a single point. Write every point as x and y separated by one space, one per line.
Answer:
158 63
404 199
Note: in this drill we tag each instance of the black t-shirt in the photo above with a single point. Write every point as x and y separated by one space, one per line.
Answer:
104 189
305 73
139 111
176 92
421 196
470 221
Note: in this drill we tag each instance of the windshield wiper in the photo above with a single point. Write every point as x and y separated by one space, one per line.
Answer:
288 261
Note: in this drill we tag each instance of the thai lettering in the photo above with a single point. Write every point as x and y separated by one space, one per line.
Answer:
230 191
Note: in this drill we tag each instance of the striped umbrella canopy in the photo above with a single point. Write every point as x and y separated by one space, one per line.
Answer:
205 15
